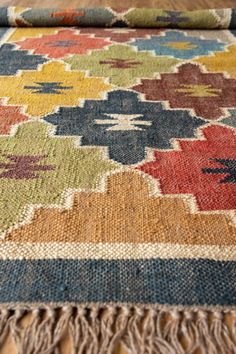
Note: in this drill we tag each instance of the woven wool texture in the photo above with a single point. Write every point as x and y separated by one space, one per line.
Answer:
118 180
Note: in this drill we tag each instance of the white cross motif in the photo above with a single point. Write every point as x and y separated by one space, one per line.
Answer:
123 122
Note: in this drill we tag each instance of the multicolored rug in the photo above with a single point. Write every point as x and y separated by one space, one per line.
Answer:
118 181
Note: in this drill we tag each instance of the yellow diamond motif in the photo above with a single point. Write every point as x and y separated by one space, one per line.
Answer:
199 90
41 92
219 62
22 33
180 45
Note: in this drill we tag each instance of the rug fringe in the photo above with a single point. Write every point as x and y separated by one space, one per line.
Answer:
96 330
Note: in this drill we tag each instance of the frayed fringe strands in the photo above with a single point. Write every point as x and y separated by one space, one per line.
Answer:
139 330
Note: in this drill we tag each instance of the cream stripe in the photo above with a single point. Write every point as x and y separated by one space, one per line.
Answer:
14 250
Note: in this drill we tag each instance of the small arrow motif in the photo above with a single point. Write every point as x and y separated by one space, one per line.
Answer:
48 87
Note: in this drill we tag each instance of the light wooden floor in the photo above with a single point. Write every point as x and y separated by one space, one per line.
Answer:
166 4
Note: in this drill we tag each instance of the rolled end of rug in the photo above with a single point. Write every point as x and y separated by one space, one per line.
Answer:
103 329
112 17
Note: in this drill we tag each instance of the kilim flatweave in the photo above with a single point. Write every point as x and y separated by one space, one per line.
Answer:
117 181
